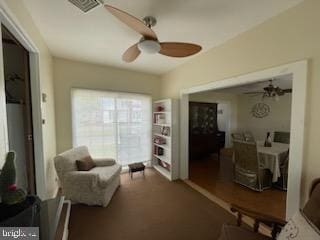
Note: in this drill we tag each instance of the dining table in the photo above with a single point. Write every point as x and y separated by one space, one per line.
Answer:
271 157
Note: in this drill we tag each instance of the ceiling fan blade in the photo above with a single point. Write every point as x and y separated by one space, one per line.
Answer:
131 54
287 90
177 49
132 22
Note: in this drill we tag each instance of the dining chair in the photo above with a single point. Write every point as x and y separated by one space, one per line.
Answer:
282 137
304 227
282 182
247 170
248 137
237 136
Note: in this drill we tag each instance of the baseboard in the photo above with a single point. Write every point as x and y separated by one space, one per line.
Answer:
66 224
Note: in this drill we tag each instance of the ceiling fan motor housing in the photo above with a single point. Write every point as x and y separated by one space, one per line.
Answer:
149 46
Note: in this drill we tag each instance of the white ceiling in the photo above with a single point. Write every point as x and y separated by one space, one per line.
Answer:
98 37
283 82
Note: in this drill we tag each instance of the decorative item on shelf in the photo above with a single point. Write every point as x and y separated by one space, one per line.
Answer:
15 207
160 108
159 140
158 151
160 119
164 164
260 110
268 141
165 131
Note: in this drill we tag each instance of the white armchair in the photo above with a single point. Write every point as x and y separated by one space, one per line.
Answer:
93 187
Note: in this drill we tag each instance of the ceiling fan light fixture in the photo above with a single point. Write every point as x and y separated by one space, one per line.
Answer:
149 46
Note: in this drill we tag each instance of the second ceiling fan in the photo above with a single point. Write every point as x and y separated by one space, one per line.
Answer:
149 42
271 91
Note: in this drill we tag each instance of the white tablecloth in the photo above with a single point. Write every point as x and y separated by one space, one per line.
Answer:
270 157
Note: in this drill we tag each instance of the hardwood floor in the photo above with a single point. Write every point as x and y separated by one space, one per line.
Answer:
216 177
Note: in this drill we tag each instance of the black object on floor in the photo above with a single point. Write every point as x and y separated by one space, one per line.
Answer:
136 167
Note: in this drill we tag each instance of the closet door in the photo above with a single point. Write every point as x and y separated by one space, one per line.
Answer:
4 143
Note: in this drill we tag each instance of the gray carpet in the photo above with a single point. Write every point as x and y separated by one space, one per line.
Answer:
150 208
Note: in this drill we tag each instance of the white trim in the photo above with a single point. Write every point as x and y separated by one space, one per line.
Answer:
3 113
8 19
263 229
299 81
67 220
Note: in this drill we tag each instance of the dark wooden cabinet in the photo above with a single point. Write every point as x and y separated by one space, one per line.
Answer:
204 136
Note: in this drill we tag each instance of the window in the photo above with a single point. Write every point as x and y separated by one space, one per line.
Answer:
115 125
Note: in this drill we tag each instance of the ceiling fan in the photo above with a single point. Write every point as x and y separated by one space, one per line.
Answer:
149 42
271 91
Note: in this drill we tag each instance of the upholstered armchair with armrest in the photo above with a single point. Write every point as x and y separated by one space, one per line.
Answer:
93 187
311 214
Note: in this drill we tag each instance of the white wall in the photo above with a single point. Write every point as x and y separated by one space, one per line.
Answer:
227 102
277 120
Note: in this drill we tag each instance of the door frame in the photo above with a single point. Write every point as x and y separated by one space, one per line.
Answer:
12 24
299 71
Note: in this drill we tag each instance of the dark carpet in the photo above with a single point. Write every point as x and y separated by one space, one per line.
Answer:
150 208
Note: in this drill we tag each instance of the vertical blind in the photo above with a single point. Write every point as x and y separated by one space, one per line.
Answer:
110 124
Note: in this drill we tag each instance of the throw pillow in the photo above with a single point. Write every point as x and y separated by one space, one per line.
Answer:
85 164
298 228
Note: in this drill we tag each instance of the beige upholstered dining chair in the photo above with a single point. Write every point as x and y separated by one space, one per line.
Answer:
282 137
282 182
237 136
247 169
248 137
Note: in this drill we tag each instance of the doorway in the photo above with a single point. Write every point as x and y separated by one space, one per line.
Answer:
218 169
16 70
299 83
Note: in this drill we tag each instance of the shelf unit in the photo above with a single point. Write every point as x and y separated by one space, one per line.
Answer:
165 129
